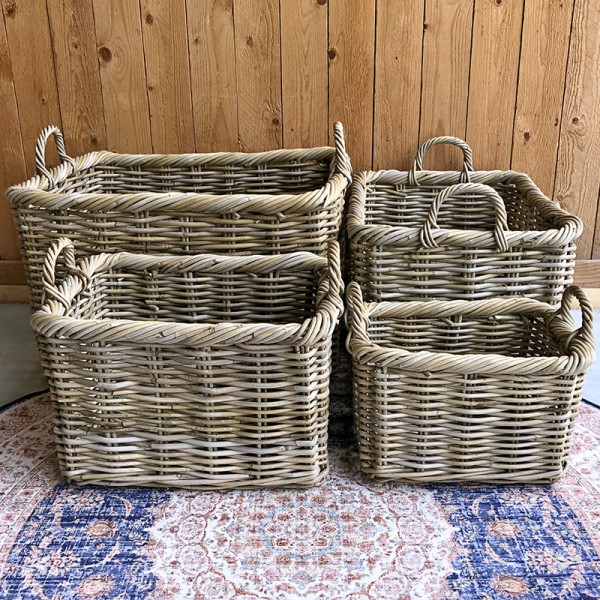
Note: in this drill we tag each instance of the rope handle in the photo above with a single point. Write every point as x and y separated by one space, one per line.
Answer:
344 166
454 191
336 282
446 139
57 247
356 319
580 340
40 152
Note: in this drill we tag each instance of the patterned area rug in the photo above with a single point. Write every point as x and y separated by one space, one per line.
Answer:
349 539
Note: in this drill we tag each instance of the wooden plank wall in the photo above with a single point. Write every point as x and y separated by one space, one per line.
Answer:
518 79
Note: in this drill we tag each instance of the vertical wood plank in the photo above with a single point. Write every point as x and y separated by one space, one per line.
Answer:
77 74
446 56
351 75
123 75
544 50
578 168
397 83
258 59
212 64
493 81
12 161
28 35
304 75
164 28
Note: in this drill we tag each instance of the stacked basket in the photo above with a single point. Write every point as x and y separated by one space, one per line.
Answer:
464 369
170 366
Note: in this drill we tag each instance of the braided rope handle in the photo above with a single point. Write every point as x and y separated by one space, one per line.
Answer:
336 282
57 247
580 341
343 164
501 223
356 317
40 152
446 139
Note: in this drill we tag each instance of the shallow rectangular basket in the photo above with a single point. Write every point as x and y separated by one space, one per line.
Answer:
458 235
205 372
482 390
224 203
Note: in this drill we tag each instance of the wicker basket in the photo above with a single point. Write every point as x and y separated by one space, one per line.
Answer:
482 390
224 203
201 371
458 235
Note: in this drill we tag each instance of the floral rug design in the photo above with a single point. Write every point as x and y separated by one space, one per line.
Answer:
350 538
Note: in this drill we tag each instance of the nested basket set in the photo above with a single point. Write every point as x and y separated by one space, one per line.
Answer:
186 307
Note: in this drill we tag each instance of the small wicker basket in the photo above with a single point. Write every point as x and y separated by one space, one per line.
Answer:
202 372
482 390
224 203
458 235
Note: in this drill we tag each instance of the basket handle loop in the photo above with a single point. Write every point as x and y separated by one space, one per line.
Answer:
336 283
581 340
57 247
357 321
446 139
344 166
453 191
40 152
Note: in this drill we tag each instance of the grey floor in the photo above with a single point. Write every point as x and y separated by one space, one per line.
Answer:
20 372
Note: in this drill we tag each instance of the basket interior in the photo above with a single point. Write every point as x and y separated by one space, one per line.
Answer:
507 335
191 297
292 177
400 204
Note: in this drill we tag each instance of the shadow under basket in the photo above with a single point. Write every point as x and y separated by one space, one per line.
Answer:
204 372
484 390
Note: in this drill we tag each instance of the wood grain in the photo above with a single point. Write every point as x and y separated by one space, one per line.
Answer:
257 41
14 293
493 81
28 35
212 65
123 75
397 83
12 272
351 75
12 161
445 83
164 28
304 77
77 74
587 273
545 46
578 168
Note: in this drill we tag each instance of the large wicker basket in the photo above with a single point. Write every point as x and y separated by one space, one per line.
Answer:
224 203
200 371
482 390
458 235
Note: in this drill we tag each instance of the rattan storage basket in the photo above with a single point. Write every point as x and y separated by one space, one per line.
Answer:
458 235
200 371
224 203
482 390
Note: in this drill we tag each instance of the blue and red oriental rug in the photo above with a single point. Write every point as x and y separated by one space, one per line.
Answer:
349 539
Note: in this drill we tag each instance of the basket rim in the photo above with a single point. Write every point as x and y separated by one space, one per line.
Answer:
50 320
34 191
576 361
569 227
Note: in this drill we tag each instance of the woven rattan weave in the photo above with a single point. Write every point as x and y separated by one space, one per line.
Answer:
482 390
458 235
195 371
224 203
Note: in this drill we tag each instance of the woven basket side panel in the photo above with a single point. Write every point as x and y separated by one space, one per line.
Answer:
292 177
457 427
239 416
